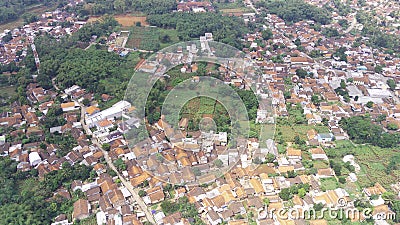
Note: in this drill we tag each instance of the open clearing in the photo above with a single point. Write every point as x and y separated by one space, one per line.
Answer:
7 91
125 20
373 161
288 133
148 38
236 11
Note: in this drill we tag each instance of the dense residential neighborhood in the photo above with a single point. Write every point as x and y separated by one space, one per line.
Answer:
323 135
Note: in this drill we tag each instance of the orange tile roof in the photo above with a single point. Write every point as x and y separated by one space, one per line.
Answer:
256 184
91 109
105 123
293 152
67 105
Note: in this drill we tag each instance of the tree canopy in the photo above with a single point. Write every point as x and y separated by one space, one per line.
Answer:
24 199
98 71
12 10
362 130
296 10
101 7
227 29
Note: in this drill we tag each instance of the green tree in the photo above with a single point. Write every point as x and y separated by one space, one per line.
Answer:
378 69
267 34
120 164
165 38
343 84
396 209
318 206
296 10
86 102
142 193
218 163
302 192
120 5
392 126
270 158
301 73
29 18
106 146
392 84
285 194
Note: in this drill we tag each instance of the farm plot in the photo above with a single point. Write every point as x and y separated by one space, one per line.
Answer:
372 160
151 38
125 20
202 107
146 38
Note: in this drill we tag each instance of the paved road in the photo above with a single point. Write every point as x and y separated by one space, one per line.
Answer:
353 24
252 6
53 81
125 182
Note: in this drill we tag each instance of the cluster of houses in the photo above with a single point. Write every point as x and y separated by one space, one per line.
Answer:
363 83
57 24
244 188
196 7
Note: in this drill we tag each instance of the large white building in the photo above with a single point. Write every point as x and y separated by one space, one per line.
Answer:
379 93
114 111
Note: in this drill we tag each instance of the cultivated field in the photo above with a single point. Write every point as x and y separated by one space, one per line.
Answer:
148 38
201 107
125 20
373 161
236 11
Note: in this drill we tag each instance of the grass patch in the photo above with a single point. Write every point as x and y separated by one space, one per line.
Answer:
198 108
240 10
289 132
373 161
232 7
295 125
329 184
320 164
7 91
151 38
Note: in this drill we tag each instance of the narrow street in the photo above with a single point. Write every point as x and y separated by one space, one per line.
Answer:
250 2
353 24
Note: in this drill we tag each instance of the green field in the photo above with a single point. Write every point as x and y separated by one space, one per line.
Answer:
200 107
235 11
232 7
289 132
329 184
287 128
6 92
151 38
320 164
372 160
